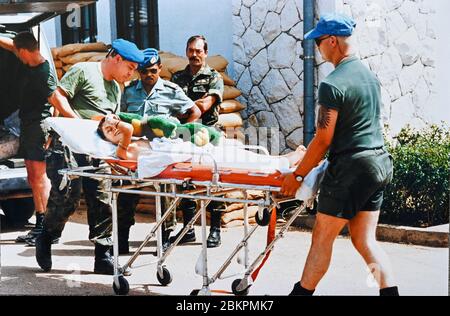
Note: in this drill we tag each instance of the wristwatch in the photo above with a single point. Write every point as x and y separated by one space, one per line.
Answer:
298 178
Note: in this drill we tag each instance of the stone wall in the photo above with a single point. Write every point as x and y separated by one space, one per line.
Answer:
268 70
395 39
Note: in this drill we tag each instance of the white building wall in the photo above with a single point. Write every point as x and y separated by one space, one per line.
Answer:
180 19
398 40
106 21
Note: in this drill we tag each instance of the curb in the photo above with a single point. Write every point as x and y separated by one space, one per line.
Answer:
429 237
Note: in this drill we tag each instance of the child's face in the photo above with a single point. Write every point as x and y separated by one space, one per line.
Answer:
109 127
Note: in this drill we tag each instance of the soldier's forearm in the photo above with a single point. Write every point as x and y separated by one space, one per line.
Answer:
7 43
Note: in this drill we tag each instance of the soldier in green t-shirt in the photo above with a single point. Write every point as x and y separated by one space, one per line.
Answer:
38 82
349 127
86 90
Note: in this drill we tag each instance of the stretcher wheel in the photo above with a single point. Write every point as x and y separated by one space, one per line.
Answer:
237 292
264 221
166 279
124 287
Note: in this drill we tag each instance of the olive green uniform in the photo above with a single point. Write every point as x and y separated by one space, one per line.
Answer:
39 84
360 167
206 82
89 94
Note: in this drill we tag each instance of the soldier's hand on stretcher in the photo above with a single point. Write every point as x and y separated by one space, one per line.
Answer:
290 185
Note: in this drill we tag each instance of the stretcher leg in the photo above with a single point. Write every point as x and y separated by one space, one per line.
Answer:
246 227
205 288
241 286
242 244
150 236
120 284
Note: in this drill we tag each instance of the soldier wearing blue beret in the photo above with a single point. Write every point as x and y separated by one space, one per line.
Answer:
149 96
87 90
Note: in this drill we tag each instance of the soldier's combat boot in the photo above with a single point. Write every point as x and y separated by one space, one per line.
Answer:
32 234
104 263
188 214
44 251
213 240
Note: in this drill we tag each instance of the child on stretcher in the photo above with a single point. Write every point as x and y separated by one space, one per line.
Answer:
119 129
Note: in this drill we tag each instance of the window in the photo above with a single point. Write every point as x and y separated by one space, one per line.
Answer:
137 21
84 29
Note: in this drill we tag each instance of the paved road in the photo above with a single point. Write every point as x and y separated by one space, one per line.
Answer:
420 270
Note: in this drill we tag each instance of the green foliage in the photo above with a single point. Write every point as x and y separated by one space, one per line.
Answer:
419 193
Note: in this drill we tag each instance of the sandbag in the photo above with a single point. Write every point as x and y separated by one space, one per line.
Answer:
239 214
233 207
227 80
165 73
251 194
164 54
78 57
235 133
230 120
55 52
58 63
238 223
175 64
59 73
98 57
231 106
66 68
230 93
71 49
217 62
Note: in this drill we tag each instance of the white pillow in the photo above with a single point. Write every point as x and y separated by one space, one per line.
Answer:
81 136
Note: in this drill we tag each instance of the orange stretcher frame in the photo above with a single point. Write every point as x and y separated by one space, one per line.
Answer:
183 171
187 171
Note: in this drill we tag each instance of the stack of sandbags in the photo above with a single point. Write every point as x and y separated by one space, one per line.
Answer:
230 119
234 213
68 55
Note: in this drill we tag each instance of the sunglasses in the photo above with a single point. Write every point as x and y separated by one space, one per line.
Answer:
320 40
146 71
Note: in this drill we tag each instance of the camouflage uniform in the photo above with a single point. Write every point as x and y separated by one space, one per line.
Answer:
65 197
87 98
206 82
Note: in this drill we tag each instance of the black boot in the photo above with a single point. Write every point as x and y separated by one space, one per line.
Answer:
165 239
188 214
124 247
32 234
213 240
104 262
44 251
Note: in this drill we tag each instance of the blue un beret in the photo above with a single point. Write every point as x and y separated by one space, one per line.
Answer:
128 50
151 57
332 24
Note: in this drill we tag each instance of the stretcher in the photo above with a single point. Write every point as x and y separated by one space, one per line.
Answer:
211 183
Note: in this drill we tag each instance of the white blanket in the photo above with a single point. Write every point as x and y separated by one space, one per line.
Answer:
167 151
81 136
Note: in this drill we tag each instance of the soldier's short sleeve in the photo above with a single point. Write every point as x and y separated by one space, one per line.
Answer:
330 96
73 81
216 86
181 102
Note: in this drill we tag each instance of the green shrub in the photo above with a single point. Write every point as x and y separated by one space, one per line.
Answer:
419 194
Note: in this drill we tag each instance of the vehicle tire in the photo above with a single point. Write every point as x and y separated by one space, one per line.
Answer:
18 210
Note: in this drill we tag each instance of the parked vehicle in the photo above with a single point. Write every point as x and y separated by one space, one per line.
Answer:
15 194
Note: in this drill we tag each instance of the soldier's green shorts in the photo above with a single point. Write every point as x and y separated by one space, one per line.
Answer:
355 182
33 137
